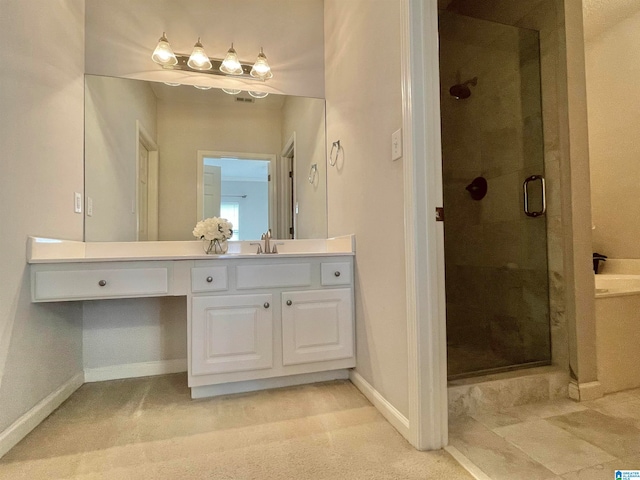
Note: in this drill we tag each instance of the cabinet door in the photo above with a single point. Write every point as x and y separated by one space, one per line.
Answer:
231 333
317 325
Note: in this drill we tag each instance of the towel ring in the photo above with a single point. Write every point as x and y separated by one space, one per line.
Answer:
313 173
336 146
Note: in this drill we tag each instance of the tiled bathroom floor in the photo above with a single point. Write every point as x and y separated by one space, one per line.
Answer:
561 439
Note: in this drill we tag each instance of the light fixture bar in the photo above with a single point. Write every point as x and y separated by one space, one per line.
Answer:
215 69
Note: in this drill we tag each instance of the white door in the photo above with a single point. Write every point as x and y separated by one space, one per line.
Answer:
231 333
212 191
317 325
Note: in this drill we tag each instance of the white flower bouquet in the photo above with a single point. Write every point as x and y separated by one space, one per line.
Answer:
216 231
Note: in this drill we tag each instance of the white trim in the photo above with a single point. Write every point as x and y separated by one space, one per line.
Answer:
30 420
132 370
424 237
149 143
288 194
467 464
265 383
388 411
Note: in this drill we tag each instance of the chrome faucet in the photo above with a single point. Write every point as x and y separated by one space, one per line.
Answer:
267 241
267 244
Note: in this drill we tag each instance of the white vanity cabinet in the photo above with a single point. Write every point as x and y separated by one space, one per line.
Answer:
253 321
278 317
317 325
231 333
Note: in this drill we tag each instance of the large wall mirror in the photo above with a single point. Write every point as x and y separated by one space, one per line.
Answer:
158 158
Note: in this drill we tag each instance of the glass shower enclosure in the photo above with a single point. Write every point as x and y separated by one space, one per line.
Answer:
493 173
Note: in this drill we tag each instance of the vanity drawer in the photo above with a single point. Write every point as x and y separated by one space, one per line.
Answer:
273 276
209 279
338 273
102 283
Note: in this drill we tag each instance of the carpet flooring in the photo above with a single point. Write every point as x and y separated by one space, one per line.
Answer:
149 428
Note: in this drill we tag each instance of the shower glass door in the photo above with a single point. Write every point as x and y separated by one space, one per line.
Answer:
496 255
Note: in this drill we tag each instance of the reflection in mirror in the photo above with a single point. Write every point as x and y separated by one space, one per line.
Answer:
236 186
150 148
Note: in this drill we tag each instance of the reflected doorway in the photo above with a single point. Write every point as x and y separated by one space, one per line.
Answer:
238 187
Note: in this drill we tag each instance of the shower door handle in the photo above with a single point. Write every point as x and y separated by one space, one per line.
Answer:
525 187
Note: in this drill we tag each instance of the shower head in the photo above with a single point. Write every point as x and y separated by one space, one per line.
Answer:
461 90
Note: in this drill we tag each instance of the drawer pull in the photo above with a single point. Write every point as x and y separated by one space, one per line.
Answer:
266 305
209 279
289 302
102 283
337 274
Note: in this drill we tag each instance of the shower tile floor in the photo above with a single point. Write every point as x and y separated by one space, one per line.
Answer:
561 439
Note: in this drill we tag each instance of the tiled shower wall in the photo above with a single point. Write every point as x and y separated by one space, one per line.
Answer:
496 257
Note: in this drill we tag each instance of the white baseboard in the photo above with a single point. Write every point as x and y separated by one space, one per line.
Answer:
132 370
388 411
30 420
265 383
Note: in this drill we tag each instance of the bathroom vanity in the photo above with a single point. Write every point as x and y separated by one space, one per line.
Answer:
253 321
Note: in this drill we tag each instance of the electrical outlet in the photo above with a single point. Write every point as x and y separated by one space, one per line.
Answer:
77 202
396 145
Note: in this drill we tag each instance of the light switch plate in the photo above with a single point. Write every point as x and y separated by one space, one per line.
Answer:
77 202
396 145
89 207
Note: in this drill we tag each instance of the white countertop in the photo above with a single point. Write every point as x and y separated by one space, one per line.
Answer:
50 250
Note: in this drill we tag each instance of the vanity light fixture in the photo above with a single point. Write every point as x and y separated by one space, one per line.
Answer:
231 91
203 87
257 94
171 84
231 65
261 68
163 54
198 59
199 62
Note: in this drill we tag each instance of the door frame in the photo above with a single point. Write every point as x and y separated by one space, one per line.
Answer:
288 194
424 236
143 137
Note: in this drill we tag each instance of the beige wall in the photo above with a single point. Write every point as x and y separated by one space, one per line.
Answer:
112 107
612 37
122 34
41 132
306 117
365 188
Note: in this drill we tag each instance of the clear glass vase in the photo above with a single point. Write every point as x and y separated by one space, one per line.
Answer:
215 247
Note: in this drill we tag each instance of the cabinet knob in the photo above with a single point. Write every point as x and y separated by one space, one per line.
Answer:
289 302
102 283
337 274
266 305
209 279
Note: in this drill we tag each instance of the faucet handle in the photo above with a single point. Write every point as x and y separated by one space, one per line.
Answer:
259 247
275 247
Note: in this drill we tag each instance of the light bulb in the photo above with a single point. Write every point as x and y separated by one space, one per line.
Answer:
231 65
231 91
163 54
171 84
261 68
202 87
198 59
258 94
